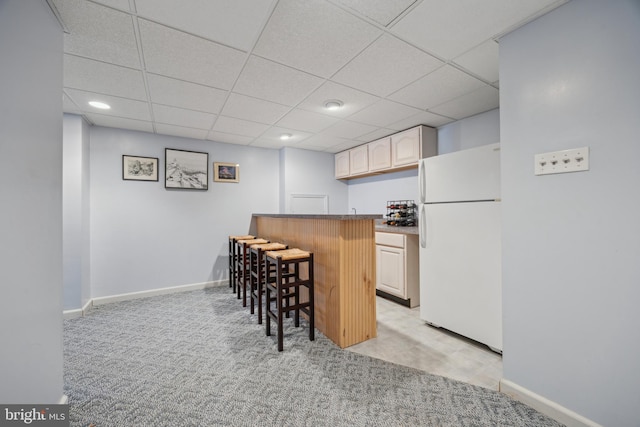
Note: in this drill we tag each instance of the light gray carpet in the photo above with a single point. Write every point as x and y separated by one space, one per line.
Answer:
200 359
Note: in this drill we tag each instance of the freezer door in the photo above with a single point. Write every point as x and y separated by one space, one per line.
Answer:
460 269
472 174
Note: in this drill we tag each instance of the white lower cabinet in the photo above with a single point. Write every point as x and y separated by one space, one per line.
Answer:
397 267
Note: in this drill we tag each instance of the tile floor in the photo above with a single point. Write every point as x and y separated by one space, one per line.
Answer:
406 340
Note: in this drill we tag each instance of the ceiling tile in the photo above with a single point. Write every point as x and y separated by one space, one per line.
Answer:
482 61
273 134
238 126
383 113
68 106
322 142
376 134
344 146
100 77
166 51
431 24
386 66
119 122
120 107
182 117
348 130
253 109
267 80
422 118
381 11
314 36
481 100
98 32
440 86
178 93
306 121
183 132
354 100
229 138
118 4
233 23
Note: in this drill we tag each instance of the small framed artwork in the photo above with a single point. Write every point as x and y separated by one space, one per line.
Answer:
136 168
226 172
187 170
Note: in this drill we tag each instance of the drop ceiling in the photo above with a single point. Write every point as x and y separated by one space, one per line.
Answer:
247 71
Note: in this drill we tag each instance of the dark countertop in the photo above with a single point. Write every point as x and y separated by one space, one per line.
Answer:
315 216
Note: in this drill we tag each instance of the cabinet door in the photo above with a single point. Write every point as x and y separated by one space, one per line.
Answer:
342 164
405 147
380 154
359 160
390 270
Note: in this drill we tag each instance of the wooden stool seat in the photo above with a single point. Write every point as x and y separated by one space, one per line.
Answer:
269 246
242 237
288 254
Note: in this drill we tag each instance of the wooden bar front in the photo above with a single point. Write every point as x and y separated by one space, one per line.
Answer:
344 268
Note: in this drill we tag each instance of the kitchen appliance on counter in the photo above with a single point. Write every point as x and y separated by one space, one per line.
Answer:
460 243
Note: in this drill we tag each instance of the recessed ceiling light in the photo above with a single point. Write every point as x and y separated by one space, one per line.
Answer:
100 105
285 136
333 104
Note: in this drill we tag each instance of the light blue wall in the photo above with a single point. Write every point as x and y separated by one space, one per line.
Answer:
474 131
311 173
76 238
145 237
369 195
31 200
571 246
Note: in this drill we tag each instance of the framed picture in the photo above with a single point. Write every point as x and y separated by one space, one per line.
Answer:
186 169
226 172
135 168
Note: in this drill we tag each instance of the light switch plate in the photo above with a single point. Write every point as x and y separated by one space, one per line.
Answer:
574 160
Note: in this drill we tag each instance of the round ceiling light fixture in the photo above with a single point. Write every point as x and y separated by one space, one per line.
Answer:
285 136
333 104
100 105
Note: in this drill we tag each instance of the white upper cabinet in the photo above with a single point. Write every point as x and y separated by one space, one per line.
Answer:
380 154
359 160
405 147
397 152
342 164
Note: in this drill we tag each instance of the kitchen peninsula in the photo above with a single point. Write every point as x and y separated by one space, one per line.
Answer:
344 268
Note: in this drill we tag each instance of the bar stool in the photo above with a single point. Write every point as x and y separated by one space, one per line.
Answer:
287 284
257 276
233 260
242 265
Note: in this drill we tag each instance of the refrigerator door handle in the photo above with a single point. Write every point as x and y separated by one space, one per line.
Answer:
422 229
421 179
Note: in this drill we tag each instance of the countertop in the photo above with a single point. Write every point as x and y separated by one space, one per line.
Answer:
398 230
317 216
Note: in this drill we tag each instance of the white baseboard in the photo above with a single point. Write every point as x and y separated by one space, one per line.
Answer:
541 404
155 292
64 400
78 312
70 314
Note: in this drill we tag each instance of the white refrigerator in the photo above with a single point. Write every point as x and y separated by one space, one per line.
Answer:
460 243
